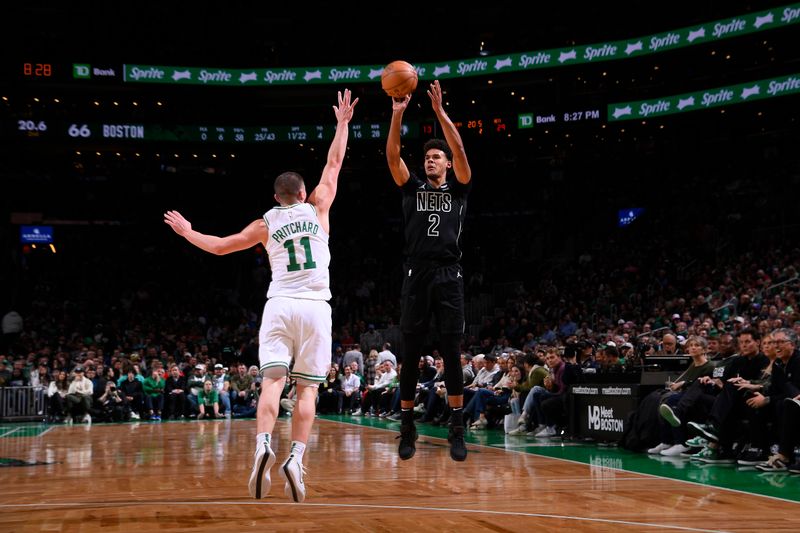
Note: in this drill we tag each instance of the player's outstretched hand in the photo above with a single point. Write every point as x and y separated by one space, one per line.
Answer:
344 111
175 220
435 94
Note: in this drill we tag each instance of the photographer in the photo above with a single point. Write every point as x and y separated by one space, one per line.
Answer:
113 405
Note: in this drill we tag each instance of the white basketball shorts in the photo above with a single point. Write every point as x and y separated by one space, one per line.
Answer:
293 328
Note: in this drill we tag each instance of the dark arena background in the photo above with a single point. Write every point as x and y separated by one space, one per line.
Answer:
636 182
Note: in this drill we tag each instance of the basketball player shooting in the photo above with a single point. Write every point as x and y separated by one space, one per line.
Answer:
434 209
297 317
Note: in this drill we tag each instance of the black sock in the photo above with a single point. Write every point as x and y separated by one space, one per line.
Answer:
456 416
406 416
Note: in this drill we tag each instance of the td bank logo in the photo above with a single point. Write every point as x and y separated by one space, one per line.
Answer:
525 121
81 71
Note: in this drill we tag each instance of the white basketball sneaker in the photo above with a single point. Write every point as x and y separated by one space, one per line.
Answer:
293 471
260 482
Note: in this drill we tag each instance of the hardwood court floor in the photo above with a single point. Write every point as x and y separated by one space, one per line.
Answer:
193 477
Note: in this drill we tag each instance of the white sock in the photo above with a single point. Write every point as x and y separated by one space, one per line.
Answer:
261 438
298 449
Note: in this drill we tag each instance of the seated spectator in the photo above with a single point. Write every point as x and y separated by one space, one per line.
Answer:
673 437
349 401
111 405
731 404
372 401
57 394
610 361
431 395
175 394
535 372
330 392
241 386
553 384
467 370
194 385
133 392
222 384
79 397
41 378
426 368
154 394
485 378
498 395
17 377
669 345
208 401
257 378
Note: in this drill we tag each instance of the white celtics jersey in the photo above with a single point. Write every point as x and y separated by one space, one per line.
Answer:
298 253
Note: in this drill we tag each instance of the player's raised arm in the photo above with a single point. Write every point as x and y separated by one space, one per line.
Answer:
397 166
460 164
322 196
254 233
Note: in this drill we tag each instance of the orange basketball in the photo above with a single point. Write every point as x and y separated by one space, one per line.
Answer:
399 79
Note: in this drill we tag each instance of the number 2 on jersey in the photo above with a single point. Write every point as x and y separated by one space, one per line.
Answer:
433 229
293 265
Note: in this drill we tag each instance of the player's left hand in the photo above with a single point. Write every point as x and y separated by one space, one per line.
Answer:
344 111
435 94
175 220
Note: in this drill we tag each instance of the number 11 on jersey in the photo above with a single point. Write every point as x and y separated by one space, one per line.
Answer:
293 265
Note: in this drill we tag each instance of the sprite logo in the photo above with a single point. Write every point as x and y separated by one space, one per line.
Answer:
81 71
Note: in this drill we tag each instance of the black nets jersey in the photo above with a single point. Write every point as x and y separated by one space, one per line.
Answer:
434 219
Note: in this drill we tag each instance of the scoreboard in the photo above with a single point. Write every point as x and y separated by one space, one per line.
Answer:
80 130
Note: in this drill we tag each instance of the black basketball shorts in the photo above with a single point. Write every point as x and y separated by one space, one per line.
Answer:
436 291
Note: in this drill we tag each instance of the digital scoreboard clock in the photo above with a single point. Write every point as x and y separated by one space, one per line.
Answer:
37 70
530 120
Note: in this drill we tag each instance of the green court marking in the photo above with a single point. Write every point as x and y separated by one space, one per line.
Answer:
22 430
6 462
733 477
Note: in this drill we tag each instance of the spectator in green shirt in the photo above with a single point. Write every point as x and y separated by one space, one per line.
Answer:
208 401
154 394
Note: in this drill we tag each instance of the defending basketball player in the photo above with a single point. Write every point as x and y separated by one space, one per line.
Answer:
434 208
297 317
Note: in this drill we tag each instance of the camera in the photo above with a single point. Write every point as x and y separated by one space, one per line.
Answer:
642 349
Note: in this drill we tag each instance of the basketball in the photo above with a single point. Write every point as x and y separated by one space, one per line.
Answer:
399 79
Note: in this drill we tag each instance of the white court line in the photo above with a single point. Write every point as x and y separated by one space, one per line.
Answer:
497 448
51 428
10 432
595 480
360 506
